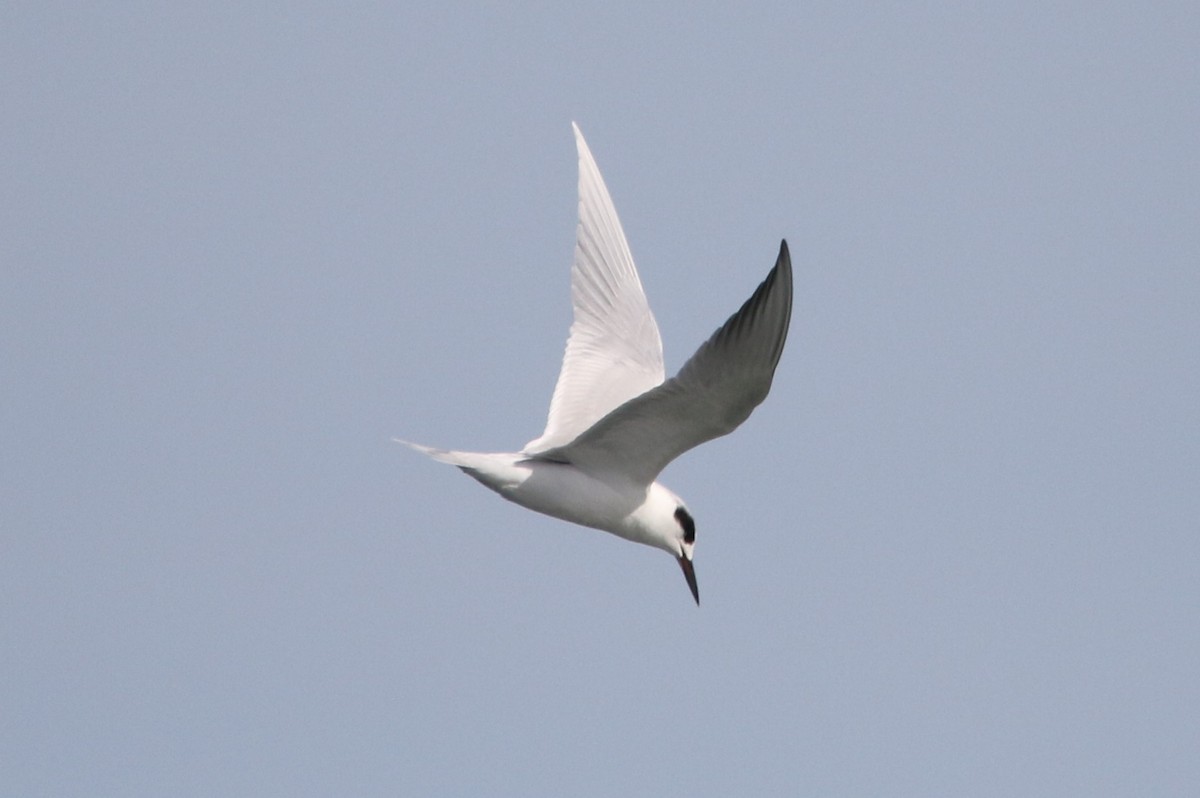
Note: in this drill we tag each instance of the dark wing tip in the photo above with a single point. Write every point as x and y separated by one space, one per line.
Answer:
780 273
784 261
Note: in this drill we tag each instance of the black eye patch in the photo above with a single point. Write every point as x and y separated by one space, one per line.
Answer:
689 526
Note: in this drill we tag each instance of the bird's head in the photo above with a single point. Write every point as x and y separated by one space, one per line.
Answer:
665 523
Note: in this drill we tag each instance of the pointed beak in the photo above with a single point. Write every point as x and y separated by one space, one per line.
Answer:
689 573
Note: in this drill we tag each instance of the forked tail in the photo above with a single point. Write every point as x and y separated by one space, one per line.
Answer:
441 455
466 460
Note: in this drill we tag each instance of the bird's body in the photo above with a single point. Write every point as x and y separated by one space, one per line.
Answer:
563 490
614 421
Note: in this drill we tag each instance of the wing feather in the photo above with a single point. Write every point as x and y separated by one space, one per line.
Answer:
614 351
714 392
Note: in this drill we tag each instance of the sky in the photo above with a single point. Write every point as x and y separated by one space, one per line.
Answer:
243 246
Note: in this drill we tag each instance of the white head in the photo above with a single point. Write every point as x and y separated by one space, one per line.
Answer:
663 521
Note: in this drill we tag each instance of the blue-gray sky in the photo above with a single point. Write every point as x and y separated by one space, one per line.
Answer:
956 552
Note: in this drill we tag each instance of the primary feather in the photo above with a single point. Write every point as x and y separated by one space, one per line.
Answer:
614 351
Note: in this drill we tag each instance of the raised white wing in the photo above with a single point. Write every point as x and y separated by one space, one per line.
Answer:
712 394
614 352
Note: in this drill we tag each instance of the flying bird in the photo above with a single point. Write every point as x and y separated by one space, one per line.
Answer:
615 422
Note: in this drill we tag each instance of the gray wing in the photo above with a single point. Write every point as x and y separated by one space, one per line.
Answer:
712 394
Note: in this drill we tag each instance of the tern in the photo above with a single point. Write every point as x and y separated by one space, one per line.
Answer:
615 422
